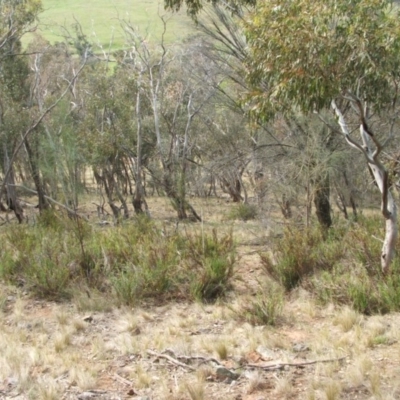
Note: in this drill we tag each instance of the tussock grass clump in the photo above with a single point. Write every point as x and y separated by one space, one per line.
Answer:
299 253
243 212
353 286
342 266
131 262
266 308
211 260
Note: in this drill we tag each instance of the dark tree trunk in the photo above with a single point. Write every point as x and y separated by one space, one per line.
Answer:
11 196
33 157
107 182
233 189
322 201
351 196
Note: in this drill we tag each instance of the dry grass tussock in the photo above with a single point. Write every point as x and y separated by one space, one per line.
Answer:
262 336
113 352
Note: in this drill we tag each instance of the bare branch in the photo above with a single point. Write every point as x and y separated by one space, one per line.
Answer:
36 123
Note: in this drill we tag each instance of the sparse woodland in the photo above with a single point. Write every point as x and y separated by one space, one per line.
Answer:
209 218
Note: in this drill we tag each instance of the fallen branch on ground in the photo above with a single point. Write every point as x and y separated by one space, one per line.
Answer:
171 359
190 358
273 367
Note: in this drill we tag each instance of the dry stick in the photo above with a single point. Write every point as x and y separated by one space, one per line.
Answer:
122 380
201 358
274 367
170 359
189 358
70 210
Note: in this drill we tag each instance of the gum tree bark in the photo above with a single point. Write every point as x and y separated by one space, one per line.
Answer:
372 148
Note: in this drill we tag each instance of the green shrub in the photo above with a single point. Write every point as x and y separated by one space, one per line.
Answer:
211 261
243 211
365 247
135 260
126 286
353 285
47 278
299 253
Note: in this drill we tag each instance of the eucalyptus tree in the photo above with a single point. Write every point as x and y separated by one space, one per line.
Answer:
172 82
54 152
194 7
337 54
313 55
226 47
107 131
20 85
16 18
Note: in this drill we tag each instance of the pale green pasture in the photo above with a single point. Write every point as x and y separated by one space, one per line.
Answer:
101 20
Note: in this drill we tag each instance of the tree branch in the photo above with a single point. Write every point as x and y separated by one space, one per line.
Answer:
36 124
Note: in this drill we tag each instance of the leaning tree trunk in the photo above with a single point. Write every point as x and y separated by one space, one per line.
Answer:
372 148
389 212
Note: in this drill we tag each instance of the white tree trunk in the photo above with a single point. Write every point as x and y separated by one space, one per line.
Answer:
371 148
389 211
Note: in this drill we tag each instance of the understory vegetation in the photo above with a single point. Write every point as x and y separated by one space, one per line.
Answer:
339 267
134 261
140 260
190 201
194 120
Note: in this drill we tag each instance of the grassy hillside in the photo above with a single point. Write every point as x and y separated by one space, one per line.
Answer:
100 19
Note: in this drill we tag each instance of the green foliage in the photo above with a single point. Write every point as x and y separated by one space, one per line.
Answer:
356 279
48 275
243 211
352 285
133 261
16 16
211 261
154 273
266 308
37 258
307 53
369 247
299 253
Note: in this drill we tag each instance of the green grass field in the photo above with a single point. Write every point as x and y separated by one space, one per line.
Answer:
101 20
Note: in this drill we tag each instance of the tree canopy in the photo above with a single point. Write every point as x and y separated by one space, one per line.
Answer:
307 53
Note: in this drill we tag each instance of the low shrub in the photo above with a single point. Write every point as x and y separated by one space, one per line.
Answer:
355 287
356 280
211 261
342 267
364 245
299 253
243 211
134 260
